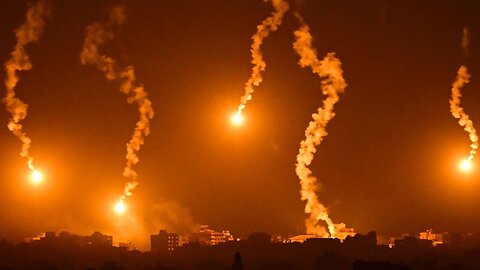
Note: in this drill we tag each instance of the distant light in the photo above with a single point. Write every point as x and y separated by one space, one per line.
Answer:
237 119
466 165
120 207
36 177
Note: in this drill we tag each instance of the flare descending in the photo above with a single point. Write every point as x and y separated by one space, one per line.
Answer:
270 24
97 35
330 71
28 32
457 111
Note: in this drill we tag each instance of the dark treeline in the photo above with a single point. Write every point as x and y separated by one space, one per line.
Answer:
257 252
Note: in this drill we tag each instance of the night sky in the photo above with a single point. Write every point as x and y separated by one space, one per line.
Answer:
389 163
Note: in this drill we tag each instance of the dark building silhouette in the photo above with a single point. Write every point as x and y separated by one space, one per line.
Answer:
99 239
260 238
163 242
237 262
410 242
358 241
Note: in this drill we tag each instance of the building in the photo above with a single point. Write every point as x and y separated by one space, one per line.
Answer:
220 237
209 237
128 246
343 232
436 238
413 243
183 240
300 238
98 239
164 242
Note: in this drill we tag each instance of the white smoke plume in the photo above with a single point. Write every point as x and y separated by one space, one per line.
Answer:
330 71
97 35
269 25
28 32
463 77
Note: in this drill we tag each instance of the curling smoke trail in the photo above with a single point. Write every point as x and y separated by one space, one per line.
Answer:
28 32
330 71
457 111
97 35
270 24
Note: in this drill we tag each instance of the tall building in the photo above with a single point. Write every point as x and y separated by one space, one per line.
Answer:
163 242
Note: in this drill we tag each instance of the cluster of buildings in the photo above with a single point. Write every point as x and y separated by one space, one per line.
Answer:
165 241
430 238
436 238
96 239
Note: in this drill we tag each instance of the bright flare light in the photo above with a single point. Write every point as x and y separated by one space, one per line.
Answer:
120 207
237 119
36 177
466 165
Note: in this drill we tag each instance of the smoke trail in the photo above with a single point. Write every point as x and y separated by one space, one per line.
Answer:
28 32
457 111
330 71
270 24
466 40
97 35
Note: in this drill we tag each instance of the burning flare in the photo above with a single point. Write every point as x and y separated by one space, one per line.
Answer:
466 165
457 111
97 35
36 177
270 24
120 207
237 119
28 32
330 71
